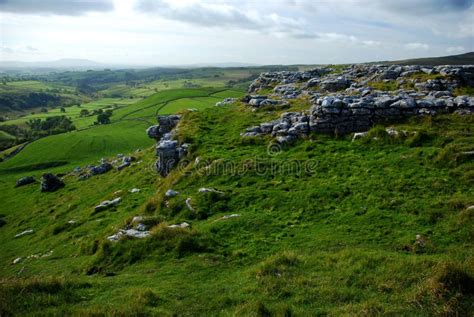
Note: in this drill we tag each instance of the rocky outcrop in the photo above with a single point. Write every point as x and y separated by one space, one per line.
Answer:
50 183
168 150
25 181
272 79
165 125
343 103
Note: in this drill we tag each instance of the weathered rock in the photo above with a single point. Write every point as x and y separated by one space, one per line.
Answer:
226 101
171 193
50 183
106 204
188 205
25 181
132 233
181 225
335 84
102 168
29 231
209 190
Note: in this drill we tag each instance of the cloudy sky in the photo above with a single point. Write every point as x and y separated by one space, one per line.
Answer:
167 32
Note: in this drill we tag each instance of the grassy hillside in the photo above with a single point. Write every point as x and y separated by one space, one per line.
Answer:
126 132
325 227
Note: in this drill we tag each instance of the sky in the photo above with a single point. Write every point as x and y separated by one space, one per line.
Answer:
177 32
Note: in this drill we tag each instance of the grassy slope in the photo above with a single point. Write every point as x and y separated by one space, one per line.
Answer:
335 239
126 133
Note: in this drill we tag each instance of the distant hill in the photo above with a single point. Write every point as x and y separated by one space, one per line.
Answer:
462 59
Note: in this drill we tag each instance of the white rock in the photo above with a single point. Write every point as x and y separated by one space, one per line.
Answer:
181 225
137 219
359 135
141 227
188 204
17 260
107 204
209 190
24 233
231 216
134 190
171 193
135 233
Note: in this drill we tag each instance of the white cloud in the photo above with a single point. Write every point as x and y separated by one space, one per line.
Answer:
59 7
417 46
455 49
264 31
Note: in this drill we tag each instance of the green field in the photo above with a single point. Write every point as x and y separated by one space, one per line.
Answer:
126 133
325 227
73 112
335 239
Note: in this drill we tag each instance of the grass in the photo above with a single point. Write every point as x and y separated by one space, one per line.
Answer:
384 85
325 227
80 147
73 112
464 91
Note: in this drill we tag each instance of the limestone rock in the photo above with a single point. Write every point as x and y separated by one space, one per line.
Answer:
50 183
25 181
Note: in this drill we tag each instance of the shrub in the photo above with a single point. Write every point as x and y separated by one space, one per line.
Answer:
419 138
448 291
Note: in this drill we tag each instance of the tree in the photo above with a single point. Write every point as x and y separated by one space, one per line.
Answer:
63 109
103 118
84 113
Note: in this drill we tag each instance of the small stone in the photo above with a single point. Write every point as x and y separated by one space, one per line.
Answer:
25 181
107 204
24 233
134 190
171 193
17 260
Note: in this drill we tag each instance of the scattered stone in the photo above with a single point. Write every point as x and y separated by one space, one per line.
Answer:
141 227
226 101
50 183
209 190
128 233
71 222
188 204
420 241
126 162
17 260
137 219
181 225
231 216
171 193
25 181
134 190
107 204
102 168
359 135
24 233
